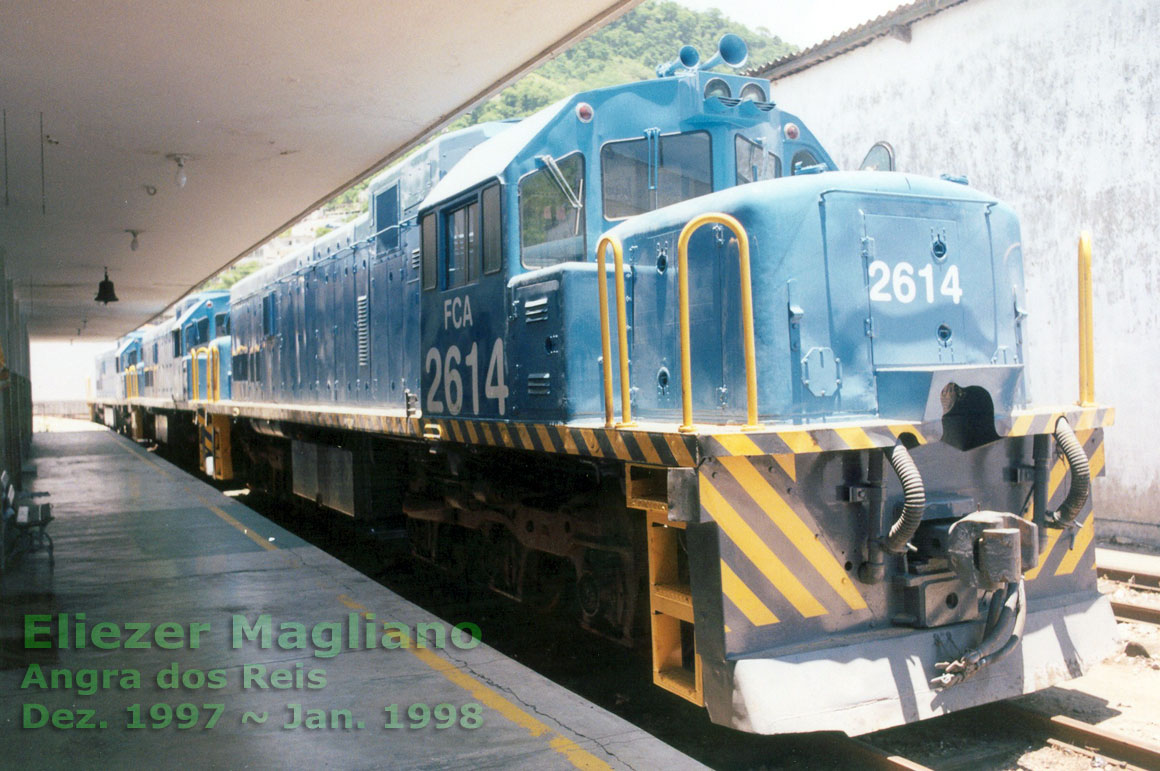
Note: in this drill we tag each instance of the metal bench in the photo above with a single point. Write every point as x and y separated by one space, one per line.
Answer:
23 525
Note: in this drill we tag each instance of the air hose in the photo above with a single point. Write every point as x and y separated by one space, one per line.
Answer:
914 500
1002 635
1077 461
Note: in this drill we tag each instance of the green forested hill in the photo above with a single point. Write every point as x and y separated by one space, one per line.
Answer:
628 49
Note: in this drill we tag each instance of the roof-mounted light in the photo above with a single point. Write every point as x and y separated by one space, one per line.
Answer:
718 88
584 112
753 92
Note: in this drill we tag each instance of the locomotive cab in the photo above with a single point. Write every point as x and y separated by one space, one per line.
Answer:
513 226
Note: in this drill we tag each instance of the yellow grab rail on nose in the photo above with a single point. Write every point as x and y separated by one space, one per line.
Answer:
1087 376
716 218
216 356
195 379
622 330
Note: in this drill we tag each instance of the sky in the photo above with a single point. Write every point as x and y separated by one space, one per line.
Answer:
59 369
803 22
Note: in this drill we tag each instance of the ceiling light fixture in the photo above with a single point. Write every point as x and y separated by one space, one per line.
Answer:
134 243
105 292
179 159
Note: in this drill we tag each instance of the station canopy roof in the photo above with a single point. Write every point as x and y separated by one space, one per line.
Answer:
273 105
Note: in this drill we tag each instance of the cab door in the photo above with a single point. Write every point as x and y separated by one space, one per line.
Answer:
463 312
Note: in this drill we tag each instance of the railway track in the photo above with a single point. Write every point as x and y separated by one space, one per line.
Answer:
1133 578
1060 731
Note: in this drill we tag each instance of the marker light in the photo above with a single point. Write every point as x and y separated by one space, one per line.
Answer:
584 112
792 131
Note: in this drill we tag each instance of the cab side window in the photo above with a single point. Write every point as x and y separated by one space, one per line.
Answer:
462 242
803 159
754 162
552 212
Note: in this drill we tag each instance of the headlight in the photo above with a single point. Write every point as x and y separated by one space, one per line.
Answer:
719 88
753 91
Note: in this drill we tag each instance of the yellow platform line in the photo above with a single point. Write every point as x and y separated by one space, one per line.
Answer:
243 529
482 693
792 526
739 531
744 598
574 753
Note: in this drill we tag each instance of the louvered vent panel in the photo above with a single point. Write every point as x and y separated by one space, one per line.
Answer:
416 259
364 331
536 310
539 383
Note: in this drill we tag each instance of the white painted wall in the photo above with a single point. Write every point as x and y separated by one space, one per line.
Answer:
1051 107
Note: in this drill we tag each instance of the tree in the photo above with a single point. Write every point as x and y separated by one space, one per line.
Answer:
628 49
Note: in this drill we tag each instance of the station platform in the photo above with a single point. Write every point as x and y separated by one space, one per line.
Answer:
181 577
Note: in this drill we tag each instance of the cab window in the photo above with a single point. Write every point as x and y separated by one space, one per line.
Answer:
427 236
462 243
803 159
492 229
754 162
221 325
640 175
552 212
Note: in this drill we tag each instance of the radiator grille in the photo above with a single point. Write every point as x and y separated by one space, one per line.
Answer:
364 331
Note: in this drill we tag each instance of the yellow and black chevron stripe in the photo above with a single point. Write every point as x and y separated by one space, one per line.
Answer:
1034 422
649 448
1064 553
776 562
659 446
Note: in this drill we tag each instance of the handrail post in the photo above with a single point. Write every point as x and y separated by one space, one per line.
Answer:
1086 364
605 343
622 336
748 341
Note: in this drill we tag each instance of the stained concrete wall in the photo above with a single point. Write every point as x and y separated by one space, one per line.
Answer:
1051 107
15 386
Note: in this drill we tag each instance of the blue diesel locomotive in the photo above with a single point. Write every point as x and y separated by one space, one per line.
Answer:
650 352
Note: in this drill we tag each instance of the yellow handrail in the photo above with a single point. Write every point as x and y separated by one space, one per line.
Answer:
716 218
1087 377
195 359
131 381
216 380
622 330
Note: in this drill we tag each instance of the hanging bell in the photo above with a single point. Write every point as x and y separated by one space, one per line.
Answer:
105 293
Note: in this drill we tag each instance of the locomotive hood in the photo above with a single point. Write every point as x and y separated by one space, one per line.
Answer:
882 288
